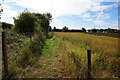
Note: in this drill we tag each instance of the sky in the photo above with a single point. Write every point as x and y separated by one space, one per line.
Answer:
74 14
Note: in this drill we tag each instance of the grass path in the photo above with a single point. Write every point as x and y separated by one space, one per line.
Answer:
54 63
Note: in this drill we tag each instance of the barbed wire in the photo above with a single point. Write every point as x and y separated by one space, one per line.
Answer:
75 58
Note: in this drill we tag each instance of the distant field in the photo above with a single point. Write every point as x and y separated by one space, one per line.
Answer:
105 55
107 34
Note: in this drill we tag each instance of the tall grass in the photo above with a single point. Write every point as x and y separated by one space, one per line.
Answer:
105 55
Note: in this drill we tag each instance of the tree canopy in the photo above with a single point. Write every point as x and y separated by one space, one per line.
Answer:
65 29
6 25
26 23
45 22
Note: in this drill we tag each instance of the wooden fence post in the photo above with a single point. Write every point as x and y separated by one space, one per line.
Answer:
4 52
89 64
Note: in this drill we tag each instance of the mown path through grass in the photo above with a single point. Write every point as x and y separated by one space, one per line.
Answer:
54 62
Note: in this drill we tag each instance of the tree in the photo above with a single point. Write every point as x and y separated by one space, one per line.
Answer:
6 25
26 23
83 30
101 30
65 29
50 28
54 29
1 10
109 30
94 30
45 22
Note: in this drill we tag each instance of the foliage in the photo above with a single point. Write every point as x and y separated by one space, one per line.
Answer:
6 25
26 23
24 59
22 52
50 35
13 37
37 45
45 22
13 72
83 29
65 29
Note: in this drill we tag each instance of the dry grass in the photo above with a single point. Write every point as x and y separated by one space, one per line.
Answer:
105 55
54 63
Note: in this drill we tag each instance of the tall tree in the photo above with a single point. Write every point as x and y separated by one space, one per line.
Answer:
26 23
45 22
54 29
83 30
65 29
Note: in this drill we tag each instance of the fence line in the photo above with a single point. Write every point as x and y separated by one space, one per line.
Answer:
4 52
0 55
78 63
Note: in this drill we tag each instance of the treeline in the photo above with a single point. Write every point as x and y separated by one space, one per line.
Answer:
66 29
25 41
28 23
47 28
6 25
109 30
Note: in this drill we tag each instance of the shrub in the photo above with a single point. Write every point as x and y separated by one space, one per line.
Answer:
50 35
13 72
37 44
24 58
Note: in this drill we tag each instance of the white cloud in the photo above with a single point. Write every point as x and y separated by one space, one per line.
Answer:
59 8
88 20
103 23
102 16
87 15
57 22
7 15
105 0
5 6
99 22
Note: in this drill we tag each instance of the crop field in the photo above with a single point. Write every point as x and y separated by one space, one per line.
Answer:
105 58
64 55
107 34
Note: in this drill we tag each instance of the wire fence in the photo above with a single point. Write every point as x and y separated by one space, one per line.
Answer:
78 64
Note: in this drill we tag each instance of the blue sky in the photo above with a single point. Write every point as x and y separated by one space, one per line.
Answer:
74 14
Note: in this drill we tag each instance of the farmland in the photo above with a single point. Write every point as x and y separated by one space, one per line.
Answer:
50 41
105 55
107 34
56 60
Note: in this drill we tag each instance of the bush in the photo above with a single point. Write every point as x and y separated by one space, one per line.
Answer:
23 59
50 35
13 72
13 37
37 44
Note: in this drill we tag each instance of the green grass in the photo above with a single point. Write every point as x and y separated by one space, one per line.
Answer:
53 63
50 46
105 56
